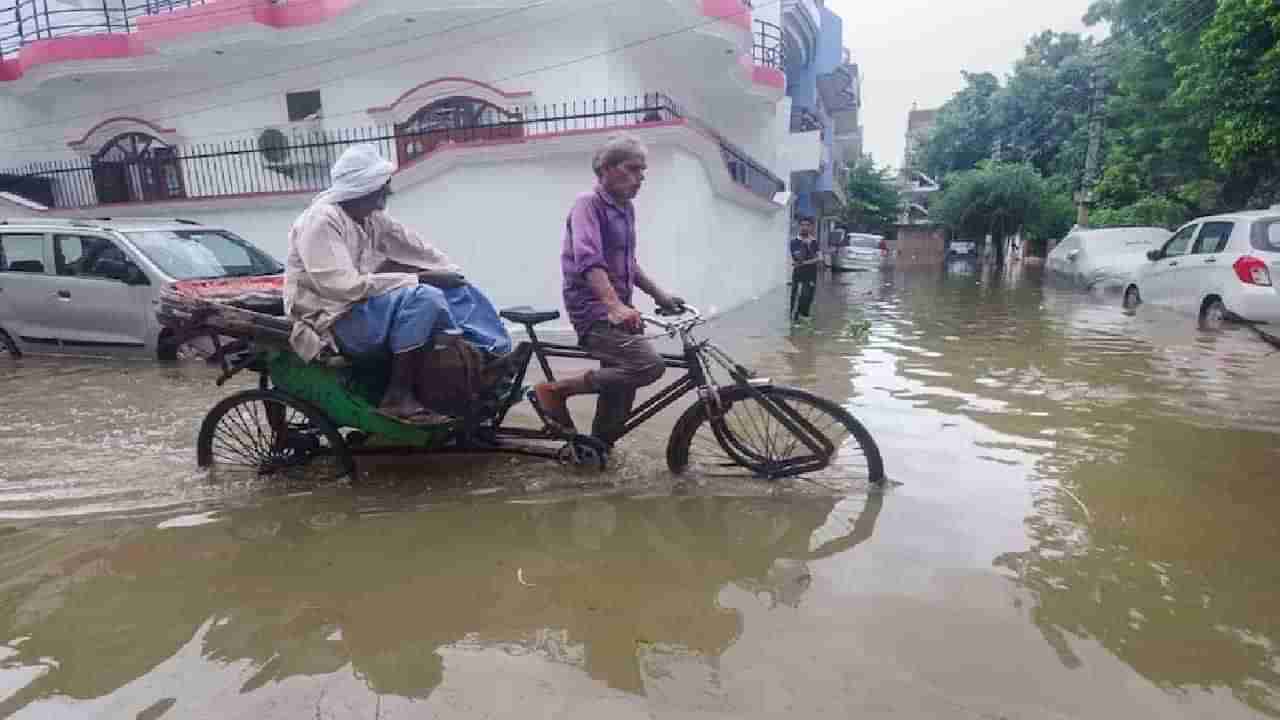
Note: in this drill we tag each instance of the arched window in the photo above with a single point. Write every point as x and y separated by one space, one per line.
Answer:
454 119
137 167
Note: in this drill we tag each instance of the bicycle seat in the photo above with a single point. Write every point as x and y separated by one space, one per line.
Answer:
525 315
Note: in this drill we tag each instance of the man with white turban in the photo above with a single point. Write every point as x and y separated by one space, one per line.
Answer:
357 282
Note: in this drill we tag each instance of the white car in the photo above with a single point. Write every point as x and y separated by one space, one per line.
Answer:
89 287
861 251
1217 268
1106 258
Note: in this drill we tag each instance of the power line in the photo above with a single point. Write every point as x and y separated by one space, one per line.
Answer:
493 81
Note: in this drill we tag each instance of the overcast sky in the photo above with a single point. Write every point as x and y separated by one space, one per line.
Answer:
913 51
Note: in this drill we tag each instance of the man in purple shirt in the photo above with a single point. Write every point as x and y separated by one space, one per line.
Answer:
600 271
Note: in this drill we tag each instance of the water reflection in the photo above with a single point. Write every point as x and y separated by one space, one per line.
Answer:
1148 446
307 586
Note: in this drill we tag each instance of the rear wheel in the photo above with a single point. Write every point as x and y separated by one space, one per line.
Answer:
267 434
1213 314
1132 298
749 440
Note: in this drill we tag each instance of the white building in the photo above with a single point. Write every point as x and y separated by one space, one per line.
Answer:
230 111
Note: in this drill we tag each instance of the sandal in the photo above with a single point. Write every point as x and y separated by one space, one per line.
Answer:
557 422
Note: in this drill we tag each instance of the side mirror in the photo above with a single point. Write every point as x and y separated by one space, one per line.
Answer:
1153 255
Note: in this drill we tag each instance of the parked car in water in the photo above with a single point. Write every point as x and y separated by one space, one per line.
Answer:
861 251
90 287
1106 258
1218 268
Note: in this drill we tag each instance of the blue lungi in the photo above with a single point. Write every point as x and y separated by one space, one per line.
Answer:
407 318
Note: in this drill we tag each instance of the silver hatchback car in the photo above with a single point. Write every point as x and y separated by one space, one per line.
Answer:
90 287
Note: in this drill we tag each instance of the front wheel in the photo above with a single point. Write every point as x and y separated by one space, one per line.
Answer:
266 433
749 438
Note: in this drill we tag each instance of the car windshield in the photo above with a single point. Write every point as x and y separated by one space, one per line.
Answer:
865 243
192 254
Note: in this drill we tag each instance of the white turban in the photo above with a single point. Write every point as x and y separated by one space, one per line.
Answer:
359 171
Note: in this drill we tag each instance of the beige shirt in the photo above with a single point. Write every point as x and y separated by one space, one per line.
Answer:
333 264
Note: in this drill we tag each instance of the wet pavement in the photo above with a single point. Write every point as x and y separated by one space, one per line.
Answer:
1081 523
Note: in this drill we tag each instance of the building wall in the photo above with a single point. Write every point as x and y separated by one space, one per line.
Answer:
501 220
504 224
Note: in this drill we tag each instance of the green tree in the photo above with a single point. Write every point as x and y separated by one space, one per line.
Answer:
965 129
872 198
1232 76
1041 113
1001 199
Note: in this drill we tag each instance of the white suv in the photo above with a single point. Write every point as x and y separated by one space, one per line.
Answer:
90 287
1217 268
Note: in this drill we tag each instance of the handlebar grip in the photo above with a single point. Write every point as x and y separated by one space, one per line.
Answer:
670 311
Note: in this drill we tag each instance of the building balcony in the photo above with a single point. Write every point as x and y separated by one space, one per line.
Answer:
145 165
46 39
801 23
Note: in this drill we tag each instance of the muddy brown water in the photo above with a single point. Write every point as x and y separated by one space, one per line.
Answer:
1082 523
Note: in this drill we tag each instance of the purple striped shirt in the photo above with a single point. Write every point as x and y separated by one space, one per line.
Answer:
600 232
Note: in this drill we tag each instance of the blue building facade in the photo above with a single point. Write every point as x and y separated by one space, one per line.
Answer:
824 86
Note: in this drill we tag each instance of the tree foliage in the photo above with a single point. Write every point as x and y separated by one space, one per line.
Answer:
1000 199
872 198
1192 110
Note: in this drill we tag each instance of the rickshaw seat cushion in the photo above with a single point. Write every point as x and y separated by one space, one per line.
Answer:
525 315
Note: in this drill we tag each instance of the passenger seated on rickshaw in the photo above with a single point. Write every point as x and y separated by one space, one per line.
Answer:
360 284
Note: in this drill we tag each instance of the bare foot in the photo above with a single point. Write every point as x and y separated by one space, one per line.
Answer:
412 412
552 406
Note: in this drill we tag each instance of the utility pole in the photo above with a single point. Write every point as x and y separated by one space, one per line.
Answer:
1084 196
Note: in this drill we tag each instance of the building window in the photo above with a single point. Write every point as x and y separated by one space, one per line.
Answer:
302 105
136 167
454 119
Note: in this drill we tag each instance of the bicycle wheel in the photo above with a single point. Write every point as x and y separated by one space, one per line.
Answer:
267 434
834 451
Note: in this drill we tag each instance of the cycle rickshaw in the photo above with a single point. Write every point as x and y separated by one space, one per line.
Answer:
319 418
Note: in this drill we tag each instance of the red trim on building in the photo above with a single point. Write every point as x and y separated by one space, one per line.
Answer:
137 121
64 49
731 11
770 77
451 78
221 15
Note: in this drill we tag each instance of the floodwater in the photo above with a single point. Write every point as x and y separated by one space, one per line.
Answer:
1081 523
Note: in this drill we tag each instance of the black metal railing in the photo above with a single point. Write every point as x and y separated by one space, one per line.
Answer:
27 21
297 159
766 48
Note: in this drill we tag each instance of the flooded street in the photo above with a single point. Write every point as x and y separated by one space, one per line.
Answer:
1081 522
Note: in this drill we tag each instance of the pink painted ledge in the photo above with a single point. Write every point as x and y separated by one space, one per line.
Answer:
769 77
170 26
227 14
730 11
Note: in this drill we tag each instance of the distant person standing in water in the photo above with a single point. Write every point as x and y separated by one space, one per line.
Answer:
806 255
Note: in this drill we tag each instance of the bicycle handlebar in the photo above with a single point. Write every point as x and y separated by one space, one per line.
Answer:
684 315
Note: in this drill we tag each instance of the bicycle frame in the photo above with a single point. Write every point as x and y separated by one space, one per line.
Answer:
694 362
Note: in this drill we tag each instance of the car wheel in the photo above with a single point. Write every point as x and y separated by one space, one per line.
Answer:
1132 298
1213 314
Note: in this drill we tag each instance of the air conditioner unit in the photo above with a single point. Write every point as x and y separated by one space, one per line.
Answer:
300 150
